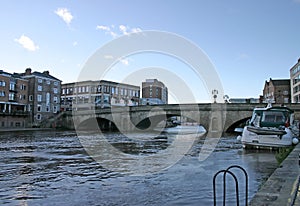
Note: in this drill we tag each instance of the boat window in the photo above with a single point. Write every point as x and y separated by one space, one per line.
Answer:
271 116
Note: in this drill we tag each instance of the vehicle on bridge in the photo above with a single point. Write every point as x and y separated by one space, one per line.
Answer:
270 127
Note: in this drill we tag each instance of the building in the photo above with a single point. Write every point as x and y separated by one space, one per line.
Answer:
98 94
43 95
277 91
154 92
13 100
244 100
295 82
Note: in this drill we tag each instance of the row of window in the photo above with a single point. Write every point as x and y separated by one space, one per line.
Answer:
12 96
296 89
12 85
99 88
296 69
12 124
40 108
40 98
40 89
56 83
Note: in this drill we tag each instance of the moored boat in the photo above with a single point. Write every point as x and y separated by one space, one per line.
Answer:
270 127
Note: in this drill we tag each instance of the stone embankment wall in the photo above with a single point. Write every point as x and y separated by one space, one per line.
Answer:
282 186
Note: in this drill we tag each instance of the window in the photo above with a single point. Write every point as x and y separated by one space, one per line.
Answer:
2 83
55 90
40 88
87 89
39 98
83 89
22 87
54 109
56 83
48 82
47 98
40 80
12 86
39 108
11 96
38 116
47 109
2 93
30 98
55 99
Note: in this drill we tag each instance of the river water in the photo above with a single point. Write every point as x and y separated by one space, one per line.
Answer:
52 168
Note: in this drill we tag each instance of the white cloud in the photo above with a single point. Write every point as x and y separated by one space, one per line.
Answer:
27 43
101 27
65 14
120 30
108 57
135 30
75 43
125 61
123 29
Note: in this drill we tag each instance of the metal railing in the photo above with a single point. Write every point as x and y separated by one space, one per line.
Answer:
225 172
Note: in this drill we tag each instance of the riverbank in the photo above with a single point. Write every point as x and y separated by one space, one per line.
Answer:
282 186
27 129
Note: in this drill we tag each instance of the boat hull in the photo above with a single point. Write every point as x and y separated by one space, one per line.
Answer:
251 139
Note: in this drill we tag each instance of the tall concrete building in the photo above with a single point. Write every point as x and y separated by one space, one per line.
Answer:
13 100
154 92
98 94
43 95
295 82
277 91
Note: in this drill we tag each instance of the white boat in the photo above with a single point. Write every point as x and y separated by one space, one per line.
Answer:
270 127
182 129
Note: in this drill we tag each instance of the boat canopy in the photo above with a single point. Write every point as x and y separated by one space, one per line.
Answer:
271 117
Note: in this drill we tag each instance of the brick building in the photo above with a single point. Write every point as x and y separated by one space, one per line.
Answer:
154 92
13 100
98 94
43 95
277 91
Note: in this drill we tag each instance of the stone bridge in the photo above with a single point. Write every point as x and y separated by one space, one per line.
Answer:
216 117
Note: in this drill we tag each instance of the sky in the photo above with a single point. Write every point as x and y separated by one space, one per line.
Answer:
247 41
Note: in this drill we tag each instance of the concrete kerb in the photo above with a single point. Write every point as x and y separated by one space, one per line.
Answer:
282 186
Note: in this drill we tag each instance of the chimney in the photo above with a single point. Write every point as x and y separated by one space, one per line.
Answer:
46 72
299 60
28 71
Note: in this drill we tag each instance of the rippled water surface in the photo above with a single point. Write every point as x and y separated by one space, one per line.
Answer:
52 168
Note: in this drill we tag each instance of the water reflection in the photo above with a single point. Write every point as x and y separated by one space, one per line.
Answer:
52 168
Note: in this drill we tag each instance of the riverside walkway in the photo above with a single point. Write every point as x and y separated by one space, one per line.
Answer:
282 187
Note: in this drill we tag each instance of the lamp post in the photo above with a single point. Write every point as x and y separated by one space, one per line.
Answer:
215 95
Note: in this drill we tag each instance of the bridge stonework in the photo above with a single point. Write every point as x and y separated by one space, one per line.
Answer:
225 116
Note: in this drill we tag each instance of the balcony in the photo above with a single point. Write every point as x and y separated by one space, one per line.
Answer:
14 113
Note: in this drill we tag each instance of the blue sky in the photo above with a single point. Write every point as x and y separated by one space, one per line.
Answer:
247 41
